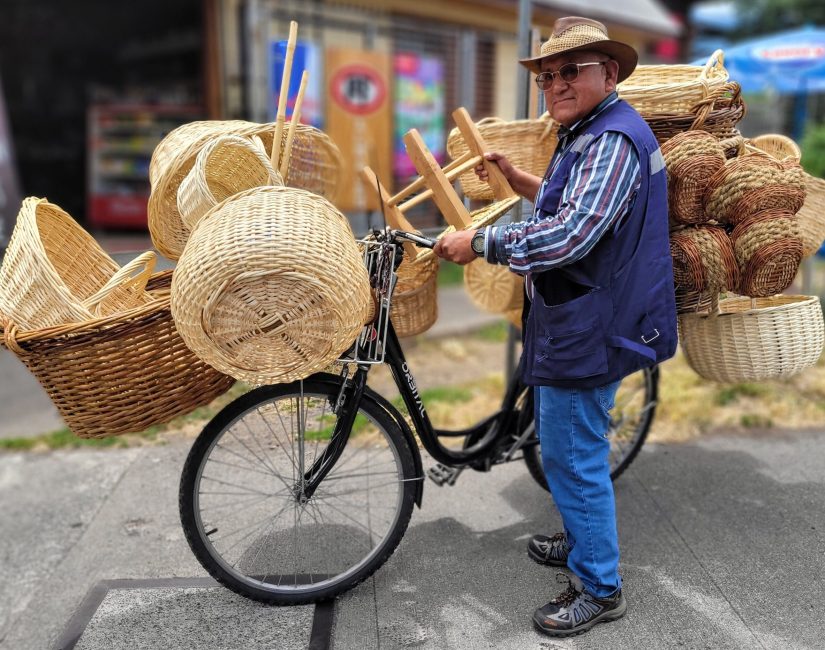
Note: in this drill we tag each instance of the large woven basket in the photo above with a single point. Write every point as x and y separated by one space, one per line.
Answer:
226 165
53 272
415 298
691 159
717 114
271 286
703 260
528 144
121 373
493 287
673 88
314 165
753 339
811 216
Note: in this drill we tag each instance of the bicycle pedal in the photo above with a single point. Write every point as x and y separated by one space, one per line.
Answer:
442 475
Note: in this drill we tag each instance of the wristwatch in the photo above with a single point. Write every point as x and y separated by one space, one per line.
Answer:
477 242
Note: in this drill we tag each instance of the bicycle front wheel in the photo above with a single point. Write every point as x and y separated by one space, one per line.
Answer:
255 530
630 422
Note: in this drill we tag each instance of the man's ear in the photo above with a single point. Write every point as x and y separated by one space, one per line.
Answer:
611 68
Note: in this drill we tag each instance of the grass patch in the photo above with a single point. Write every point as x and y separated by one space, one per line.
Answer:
727 394
450 274
65 439
495 333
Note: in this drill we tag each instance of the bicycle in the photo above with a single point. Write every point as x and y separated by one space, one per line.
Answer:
296 493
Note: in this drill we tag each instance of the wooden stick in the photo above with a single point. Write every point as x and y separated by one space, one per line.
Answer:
455 171
421 182
275 154
393 215
293 123
475 143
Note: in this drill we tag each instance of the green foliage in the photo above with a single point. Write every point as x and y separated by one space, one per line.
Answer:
450 274
813 150
754 421
63 439
729 393
766 16
495 333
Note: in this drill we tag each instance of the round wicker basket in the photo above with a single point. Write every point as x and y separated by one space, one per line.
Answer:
811 216
315 165
493 287
53 272
226 165
753 339
703 260
271 286
121 373
673 88
768 251
527 144
691 159
414 307
776 145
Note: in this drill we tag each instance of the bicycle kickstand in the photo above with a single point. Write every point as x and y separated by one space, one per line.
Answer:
442 475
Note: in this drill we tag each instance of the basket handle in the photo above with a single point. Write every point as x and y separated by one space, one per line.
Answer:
717 59
703 107
123 279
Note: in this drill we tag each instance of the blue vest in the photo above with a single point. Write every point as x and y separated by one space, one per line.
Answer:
612 312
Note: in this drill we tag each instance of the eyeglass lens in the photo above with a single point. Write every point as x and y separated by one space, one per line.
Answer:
568 73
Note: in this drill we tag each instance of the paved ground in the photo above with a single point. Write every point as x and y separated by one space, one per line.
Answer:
723 545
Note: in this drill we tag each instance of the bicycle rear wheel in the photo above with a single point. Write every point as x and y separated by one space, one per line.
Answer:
249 523
630 422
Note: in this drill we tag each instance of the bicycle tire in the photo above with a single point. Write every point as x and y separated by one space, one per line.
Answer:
620 455
257 570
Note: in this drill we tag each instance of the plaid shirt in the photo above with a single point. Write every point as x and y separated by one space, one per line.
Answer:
601 189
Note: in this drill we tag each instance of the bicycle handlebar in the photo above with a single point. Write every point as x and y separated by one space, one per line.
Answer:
413 237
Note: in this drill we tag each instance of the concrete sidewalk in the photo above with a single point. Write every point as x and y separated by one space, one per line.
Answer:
723 546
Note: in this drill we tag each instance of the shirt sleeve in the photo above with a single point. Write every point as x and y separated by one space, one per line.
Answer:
601 188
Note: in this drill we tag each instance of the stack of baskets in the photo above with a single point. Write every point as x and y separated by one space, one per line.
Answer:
101 341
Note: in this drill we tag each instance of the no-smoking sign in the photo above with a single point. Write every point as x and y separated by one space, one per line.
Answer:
358 89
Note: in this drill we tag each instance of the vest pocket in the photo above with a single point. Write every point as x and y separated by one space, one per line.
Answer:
569 339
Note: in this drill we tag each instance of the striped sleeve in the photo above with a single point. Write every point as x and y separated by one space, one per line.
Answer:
601 188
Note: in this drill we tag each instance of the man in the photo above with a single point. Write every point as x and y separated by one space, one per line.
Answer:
596 257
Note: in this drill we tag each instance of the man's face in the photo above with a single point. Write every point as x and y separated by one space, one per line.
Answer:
570 102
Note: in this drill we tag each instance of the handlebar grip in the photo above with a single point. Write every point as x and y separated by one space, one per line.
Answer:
426 242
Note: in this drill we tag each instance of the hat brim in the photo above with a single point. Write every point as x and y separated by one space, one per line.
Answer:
622 53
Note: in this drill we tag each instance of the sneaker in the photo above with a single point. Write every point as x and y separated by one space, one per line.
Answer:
575 610
552 551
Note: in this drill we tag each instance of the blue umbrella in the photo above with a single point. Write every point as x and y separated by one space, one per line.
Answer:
791 62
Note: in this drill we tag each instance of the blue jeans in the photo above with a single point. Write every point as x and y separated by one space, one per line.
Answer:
572 428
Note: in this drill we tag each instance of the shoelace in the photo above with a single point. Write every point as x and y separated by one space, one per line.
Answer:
557 541
569 595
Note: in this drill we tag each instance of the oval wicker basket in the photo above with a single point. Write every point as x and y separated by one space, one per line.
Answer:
53 272
811 216
673 88
527 144
414 307
776 145
315 165
691 159
703 260
271 286
121 373
493 287
753 339
226 165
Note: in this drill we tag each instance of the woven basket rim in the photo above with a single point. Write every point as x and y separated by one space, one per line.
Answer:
785 302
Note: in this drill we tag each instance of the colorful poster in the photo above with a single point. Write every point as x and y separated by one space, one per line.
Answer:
359 120
305 57
419 104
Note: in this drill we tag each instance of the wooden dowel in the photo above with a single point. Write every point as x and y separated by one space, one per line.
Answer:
421 182
414 201
458 161
458 171
280 116
293 124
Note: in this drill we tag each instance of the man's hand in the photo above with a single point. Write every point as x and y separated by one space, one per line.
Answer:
455 247
503 164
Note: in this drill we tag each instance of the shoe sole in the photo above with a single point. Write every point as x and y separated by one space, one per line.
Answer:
540 559
607 617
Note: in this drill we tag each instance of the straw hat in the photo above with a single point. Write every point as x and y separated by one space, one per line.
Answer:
572 34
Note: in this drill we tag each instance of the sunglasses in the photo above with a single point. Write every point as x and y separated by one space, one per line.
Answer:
568 73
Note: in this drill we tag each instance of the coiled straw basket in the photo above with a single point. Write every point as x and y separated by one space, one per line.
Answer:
120 373
493 287
753 339
414 307
528 144
54 272
315 165
271 286
703 260
691 159
226 165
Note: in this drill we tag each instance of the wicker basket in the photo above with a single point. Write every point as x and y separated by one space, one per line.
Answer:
768 251
493 287
718 114
811 216
703 260
691 159
271 286
118 374
527 144
696 302
753 182
315 165
54 272
754 339
673 88
415 298
226 165
777 146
